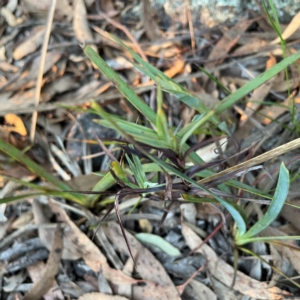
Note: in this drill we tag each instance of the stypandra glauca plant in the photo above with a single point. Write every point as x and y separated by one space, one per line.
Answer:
141 144
172 143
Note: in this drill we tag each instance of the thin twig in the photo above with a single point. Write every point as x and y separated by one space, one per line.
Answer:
191 27
182 287
218 228
104 148
41 69
97 154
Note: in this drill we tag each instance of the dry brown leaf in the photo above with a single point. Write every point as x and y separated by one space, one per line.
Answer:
289 30
249 49
236 81
28 78
224 293
31 44
47 234
278 262
227 42
108 7
100 296
152 30
289 229
35 271
91 89
16 171
88 250
274 111
126 289
176 68
41 7
15 123
24 219
7 67
292 254
173 51
3 229
224 273
20 99
271 61
81 26
202 291
159 284
234 32
278 86
258 94
60 85
42 286
154 49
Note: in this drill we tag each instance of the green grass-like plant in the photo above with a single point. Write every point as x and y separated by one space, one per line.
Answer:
140 141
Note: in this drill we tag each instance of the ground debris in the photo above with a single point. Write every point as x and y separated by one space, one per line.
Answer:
50 247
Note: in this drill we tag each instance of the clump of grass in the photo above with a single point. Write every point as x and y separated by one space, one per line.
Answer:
140 145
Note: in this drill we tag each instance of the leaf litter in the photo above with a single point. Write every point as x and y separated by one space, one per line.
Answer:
38 241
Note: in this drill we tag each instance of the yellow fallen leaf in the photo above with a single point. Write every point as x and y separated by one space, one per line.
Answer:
14 123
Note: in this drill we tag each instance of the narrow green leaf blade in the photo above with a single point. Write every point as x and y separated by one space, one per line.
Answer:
274 209
139 133
191 128
256 82
161 120
139 168
124 89
159 242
